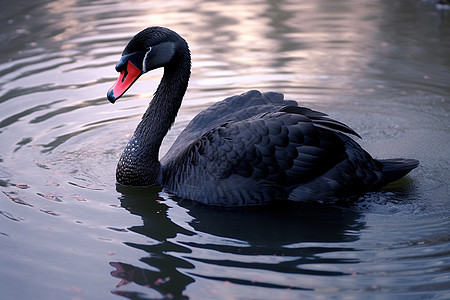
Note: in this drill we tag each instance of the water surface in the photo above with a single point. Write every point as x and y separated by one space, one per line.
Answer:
381 66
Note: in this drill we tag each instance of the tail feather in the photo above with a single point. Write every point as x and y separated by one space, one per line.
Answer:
394 169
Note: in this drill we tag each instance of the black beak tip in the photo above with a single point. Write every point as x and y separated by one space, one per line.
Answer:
111 96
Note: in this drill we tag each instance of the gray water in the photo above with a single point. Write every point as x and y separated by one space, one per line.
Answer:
380 66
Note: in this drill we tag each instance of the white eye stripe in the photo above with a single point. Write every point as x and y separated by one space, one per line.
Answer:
144 69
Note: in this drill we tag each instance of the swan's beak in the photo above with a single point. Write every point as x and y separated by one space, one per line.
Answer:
127 77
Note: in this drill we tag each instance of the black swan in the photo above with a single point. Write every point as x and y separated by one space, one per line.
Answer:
248 149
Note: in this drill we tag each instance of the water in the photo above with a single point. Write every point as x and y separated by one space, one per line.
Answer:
66 232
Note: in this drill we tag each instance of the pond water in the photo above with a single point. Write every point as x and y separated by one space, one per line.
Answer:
381 66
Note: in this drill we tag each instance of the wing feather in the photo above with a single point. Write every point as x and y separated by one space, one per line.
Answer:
281 148
257 147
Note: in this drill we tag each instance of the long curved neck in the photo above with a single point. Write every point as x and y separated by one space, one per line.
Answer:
139 164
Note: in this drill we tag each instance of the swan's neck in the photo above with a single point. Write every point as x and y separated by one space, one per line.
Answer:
139 164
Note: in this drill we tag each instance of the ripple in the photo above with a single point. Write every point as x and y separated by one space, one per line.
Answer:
50 212
16 198
9 216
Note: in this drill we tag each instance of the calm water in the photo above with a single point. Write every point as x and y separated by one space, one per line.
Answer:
66 233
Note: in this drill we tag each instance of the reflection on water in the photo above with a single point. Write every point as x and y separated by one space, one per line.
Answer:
282 238
66 232
167 278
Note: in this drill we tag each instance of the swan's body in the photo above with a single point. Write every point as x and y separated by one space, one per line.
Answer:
245 150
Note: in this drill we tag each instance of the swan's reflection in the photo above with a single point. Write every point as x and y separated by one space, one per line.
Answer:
163 276
295 235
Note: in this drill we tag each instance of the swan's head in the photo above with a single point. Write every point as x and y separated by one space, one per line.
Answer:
152 48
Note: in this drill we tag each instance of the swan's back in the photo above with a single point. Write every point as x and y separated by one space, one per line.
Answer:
234 108
256 148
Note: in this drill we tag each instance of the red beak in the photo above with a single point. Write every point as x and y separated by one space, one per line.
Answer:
127 77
